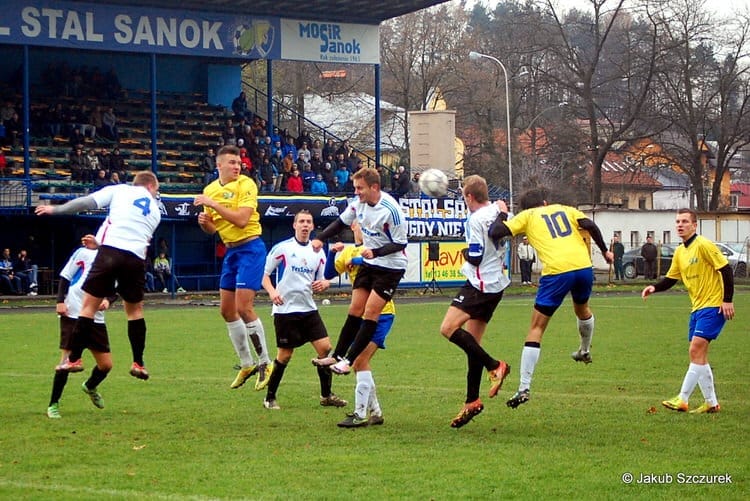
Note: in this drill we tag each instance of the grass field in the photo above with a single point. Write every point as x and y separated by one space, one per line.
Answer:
185 435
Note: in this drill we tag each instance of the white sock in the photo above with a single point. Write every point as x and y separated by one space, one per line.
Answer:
706 383
586 330
529 358
373 405
691 379
257 336
238 336
362 393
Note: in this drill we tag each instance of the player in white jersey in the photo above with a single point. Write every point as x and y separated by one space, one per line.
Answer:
69 302
295 315
476 301
120 264
384 232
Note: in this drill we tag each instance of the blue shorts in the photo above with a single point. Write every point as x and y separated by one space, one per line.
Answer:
243 266
383 329
553 288
706 323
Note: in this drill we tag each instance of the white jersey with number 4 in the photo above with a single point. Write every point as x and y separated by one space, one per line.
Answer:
382 223
132 219
299 266
75 271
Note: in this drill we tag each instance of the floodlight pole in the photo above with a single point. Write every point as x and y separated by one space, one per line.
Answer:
474 56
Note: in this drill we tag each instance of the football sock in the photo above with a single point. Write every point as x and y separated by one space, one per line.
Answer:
257 336
238 336
326 378
466 342
373 405
363 338
97 376
80 338
346 337
137 337
58 384
276 375
529 358
586 330
473 379
362 393
691 379
706 383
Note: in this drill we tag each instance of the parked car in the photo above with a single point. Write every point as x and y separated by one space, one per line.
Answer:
736 253
632 262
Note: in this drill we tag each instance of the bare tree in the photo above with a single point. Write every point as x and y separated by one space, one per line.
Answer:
605 60
705 87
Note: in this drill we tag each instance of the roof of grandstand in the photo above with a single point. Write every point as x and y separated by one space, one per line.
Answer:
342 11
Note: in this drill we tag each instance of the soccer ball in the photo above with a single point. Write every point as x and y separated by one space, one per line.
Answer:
326 302
433 183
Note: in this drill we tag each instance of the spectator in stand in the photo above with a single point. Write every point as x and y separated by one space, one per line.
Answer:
84 122
163 273
287 166
414 185
109 121
239 106
353 162
150 285
105 160
329 150
303 138
77 164
268 175
329 177
289 147
341 160
75 138
3 164
344 149
402 184
316 163
13 129
115 179
56 117
276 136
384 178
7 111
294 183
27 271
208 165
92 165
342 176
277 147
317 148
117 165
247 163
265 144
304 154
319 186
101 180
278 163
228 134
9 282
95 119
308 176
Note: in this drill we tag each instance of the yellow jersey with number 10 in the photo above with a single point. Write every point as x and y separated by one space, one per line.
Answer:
553 231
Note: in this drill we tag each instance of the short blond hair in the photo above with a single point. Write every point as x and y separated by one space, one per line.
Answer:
145 178
369 175
476 186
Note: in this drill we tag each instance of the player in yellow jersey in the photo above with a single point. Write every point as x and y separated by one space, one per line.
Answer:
555 231
707 276
230 208
347 260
